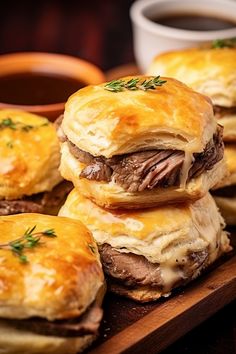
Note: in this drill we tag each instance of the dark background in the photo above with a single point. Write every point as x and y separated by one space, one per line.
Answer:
99 31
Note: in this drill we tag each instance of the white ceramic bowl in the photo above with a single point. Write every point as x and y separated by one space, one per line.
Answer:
151 38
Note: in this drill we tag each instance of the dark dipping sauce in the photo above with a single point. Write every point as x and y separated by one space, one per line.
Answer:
195 22
37 88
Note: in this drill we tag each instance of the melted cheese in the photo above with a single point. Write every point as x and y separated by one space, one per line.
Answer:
188 160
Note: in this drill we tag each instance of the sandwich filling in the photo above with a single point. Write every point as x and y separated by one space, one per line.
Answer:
145 170
88 323
38 203
134 271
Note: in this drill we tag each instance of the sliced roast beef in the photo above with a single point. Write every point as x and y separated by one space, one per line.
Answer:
129 268
213 153
221 112
142 170
44 203
88 323
97 171
57 195
10 207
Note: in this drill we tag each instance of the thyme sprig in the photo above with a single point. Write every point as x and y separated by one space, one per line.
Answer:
134 84
224 43
9 123
29 240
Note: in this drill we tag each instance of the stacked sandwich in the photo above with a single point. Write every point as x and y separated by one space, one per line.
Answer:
142 153
213 73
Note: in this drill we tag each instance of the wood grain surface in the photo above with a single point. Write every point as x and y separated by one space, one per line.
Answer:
129 327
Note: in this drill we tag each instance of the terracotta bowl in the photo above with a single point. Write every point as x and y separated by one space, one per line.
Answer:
54 64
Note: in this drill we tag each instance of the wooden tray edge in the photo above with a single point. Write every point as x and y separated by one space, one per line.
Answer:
178 315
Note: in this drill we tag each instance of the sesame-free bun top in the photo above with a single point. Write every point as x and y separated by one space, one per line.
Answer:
29 154
171 116
62 276
209 71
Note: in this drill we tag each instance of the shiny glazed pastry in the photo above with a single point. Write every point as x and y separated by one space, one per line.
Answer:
225 194
139 147
51 288
146 253
209 71
29 161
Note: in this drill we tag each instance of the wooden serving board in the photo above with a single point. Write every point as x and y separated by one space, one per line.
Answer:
129 327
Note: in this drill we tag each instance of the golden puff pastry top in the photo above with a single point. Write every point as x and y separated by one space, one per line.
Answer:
209 71
106 123
62 276
155 233
29 154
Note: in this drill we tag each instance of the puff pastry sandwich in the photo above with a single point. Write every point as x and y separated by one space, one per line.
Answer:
29 161
140 142
146 253
211 71
225 195
52 285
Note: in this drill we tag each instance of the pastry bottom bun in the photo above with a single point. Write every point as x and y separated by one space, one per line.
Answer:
146 253
111 195
13 341
52 288
19 341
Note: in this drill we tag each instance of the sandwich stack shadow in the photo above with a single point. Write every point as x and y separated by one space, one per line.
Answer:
142 153
211 71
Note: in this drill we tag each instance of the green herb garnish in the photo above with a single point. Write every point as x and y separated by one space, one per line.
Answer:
9 123
10 144
224 43
29 240
134 84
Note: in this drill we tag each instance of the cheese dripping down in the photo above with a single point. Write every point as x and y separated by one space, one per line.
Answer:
188 160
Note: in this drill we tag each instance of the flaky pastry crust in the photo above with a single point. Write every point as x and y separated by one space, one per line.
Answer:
29 154
209 71
112 123
62 276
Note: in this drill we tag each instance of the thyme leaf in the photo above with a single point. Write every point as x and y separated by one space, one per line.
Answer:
29 240
224 43
9 123
134 84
